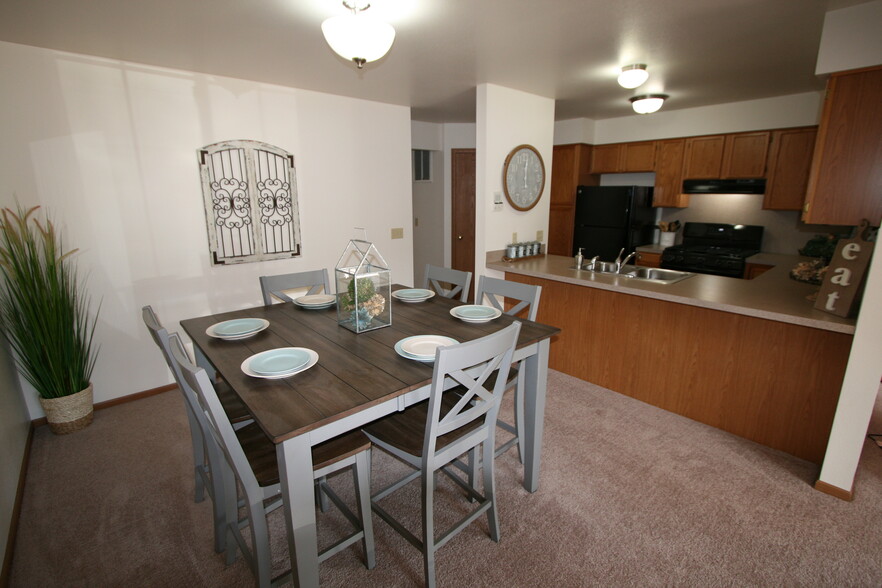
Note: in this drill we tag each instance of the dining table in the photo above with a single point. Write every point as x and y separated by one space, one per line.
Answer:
358 378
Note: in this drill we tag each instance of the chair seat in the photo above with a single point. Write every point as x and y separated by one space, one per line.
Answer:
261 451
232 405
406 430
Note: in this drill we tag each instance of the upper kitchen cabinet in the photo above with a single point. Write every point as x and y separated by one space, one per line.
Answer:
787 170
617 158
845 185
569 169
668 174
736 155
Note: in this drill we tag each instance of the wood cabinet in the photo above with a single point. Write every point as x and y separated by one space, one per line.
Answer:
648 259
569 169
617 158
668 174
845 184
788 167
737 155
752 270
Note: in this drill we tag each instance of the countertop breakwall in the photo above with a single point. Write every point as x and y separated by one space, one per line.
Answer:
773 295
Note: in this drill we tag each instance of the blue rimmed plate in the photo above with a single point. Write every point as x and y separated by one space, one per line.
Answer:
475 313
237 328
422 347
280 359
413 294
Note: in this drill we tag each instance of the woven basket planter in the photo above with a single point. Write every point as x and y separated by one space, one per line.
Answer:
69 414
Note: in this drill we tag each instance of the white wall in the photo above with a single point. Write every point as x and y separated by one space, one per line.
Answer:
796 110
507 118
110 148
428 215
851 38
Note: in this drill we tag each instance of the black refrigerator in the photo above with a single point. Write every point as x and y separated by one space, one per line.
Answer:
612 218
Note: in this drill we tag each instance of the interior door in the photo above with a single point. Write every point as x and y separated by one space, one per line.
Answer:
463 213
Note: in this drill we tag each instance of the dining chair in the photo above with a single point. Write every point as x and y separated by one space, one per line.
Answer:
431 434
251 457
273 286
206 454
447 282
526 301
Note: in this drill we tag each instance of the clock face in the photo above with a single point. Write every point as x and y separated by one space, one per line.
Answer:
523 177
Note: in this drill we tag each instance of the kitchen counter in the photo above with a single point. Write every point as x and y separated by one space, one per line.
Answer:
772 295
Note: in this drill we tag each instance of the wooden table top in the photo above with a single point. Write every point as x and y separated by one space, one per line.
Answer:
354 371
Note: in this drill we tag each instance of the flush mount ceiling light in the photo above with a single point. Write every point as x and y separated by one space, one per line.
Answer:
633 75
358 37
648 103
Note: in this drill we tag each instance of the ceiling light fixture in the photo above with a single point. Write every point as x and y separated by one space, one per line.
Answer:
633 75
648 103
358 37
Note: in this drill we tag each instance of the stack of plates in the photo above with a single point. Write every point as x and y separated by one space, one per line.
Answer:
422 347
475 313
237 328
316 301
413 294
280 363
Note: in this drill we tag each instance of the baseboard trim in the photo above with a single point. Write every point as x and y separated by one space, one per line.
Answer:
834 491
117 401
6 570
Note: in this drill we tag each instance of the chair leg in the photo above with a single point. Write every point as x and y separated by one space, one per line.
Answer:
218 505
490 489
198 455
260 544
321 500
362 479
229 499
428 483
519 415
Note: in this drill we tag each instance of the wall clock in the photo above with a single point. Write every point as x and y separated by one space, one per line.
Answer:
523 177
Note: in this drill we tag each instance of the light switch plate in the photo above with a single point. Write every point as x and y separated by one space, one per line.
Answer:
540 236
398 233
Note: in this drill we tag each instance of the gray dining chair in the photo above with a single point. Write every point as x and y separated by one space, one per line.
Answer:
206 454
315 281
430 435
251 457
447 282
524 300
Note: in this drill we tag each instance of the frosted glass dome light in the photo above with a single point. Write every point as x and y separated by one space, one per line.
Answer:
648 103
357 36
633 76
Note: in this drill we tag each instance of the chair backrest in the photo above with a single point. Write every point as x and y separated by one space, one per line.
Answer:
526 295
316 281
468 367
216 421
438 278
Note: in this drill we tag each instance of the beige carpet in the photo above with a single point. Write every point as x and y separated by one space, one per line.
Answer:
630 496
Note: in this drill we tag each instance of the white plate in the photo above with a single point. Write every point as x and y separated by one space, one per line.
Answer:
475 313
316 300
424 346
413 295
279 361
407 355
236 328
313 359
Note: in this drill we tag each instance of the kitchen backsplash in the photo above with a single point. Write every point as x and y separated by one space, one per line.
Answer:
784 232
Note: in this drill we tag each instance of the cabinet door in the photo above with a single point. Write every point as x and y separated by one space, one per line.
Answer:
638 157
744 155
668 174
569 167
787 172
648 259
845 185
704 157
564 174
605 159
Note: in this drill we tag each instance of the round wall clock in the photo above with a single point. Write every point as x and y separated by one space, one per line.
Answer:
523 177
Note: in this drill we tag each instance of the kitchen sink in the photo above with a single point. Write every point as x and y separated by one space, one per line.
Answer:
655 274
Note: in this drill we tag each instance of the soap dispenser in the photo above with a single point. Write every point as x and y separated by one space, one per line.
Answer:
579 259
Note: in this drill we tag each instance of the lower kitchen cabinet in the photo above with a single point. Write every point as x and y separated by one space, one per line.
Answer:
648 259
752 270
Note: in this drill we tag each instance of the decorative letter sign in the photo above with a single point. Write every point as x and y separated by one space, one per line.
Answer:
840 292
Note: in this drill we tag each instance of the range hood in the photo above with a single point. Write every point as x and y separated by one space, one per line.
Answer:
738 186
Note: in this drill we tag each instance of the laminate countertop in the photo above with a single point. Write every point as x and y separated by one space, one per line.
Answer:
772 295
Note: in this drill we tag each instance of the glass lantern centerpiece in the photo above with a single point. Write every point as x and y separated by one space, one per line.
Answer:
364 288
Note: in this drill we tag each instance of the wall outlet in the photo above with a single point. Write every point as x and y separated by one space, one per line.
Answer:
398 233
540 236
497 197
514 237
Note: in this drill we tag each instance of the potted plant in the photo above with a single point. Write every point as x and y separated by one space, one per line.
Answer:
44 311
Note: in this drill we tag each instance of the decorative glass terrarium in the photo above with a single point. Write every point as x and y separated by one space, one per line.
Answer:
364 288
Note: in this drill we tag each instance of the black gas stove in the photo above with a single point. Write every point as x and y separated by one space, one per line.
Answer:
712 248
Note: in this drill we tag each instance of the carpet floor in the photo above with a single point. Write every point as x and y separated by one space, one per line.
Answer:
630 495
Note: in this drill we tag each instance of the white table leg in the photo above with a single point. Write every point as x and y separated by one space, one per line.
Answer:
295 472
534 408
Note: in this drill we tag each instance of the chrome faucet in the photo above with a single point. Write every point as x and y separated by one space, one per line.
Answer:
591 263
621 264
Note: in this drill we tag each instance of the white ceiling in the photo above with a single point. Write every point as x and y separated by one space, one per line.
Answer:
699 52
